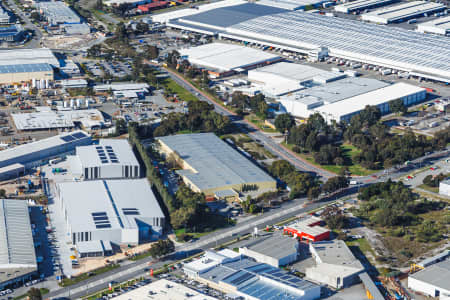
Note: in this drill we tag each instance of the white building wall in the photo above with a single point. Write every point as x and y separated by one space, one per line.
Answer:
130 236
444 188
260 257
426 288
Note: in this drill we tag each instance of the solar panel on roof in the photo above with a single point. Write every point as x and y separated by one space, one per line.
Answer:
67 138
98 214
79 135
103 226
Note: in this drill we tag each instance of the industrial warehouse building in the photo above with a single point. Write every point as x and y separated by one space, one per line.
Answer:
12 171
303 103
360 5
308 228
285 78
36 153
28 56
87 118
10 74
11 33
229 272
402 12
17 256
209 165
437 26
164 289
119 211
109 159
344 110
433 281
224 59
336 266
292 4
421 55
57 12
273 249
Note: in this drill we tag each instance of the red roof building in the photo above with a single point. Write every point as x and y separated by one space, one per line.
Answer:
150 6
308 228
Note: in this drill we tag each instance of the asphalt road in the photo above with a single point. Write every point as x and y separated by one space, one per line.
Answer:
253 132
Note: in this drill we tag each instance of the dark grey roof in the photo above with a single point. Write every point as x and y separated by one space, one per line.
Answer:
231 15
274 245
25 68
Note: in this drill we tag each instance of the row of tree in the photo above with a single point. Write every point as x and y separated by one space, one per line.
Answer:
305 184
378 147
199 117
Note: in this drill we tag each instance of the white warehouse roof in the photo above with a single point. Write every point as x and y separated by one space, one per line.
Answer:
61 119
179 13
402 11
19 154
28 56
397 48
438 26
360 5
226 57
122 202
357 103
17 256
117 150
282 78
290 4
422 55
117 86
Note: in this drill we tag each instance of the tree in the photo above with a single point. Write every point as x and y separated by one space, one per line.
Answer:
161 248
334 217
152 51
121 32
34 294
335 183
99 4
121 126
95 51
397 106
2 193
35 16
284 122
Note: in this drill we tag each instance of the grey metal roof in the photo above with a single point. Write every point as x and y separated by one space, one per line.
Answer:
370 286
94 246
246 276
27 56
437 275
217 164
20 153
399 48
16 239
26 68
227 16
336 252
274 245
109 197
89 155
428 261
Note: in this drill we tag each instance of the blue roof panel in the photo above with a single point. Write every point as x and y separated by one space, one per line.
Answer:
25 68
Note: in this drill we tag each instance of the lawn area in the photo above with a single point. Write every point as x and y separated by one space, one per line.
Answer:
252 118
429 188
363 245
193 235
349 150
173 87
73 280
